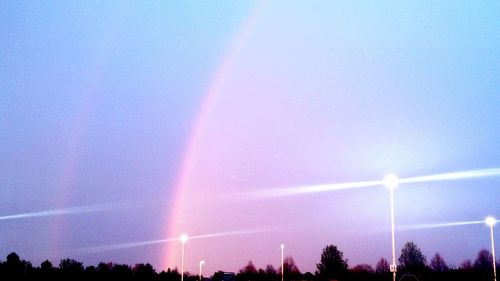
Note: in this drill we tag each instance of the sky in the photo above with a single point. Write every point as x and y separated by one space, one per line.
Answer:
126 124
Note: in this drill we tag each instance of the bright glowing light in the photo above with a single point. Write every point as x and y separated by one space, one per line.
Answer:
391 181
202 263
183 238
490 221
282 246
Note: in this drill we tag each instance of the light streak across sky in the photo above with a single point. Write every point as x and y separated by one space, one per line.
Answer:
281 192
65 211
121 246
439 225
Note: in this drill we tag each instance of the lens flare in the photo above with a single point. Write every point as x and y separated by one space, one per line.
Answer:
290 191
390 181
121 246
454 176
438 225
113 247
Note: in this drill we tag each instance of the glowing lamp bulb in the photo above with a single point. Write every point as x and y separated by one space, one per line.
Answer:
202 263
490 221
183 238
391 181
282 246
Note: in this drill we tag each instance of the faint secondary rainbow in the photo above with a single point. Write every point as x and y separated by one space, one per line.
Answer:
75 141
214 89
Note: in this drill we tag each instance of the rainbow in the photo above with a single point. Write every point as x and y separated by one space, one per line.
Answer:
214 89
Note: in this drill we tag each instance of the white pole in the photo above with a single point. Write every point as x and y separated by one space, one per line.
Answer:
182 262
393 240
493 253
201 263
282 267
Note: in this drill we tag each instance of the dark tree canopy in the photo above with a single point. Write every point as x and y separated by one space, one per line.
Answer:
363 268
290 267
438 264
412 259
270 270
382 266
332 264
249 269
484 260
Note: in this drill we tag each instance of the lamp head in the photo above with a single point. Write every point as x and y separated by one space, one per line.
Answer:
183 238
282 246
391 181
490 221
202 263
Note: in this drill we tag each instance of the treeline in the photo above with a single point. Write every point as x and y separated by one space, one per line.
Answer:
412 265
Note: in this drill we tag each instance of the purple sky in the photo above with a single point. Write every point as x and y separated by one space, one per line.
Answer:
124 125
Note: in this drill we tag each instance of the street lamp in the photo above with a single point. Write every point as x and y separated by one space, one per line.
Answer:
491 222
282 267
183 239
201 263
391 182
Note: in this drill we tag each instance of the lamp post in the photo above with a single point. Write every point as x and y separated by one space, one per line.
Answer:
183 239
282 267
201 264
491 222
391 182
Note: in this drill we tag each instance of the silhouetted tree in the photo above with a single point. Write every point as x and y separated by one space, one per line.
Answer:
412 260
361 272
308 276
46 271
291 271
484 261
171 275
332 264
16 269
248 272
144 271
363 268
438 264
121 272
71 269
465 265
268 274
382 266
249 268
270 270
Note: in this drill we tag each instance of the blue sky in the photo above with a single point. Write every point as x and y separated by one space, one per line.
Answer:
98 102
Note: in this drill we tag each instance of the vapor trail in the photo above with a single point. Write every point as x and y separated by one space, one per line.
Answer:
65 211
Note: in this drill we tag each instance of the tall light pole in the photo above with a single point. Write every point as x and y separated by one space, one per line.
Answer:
391 182
491 222
183 239
201 264
282 267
